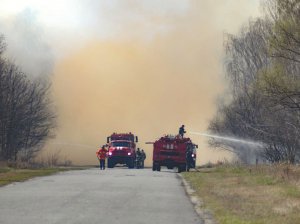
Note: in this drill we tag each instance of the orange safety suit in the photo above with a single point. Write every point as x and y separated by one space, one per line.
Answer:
101 153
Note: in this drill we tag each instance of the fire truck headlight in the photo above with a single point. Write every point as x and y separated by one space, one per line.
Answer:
193 155
110 153
129 153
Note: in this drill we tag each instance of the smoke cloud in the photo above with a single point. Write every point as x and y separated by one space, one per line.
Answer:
145 67
26 45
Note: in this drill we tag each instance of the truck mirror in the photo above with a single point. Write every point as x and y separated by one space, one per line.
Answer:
108 139
136 139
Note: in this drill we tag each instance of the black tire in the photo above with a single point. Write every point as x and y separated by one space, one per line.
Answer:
110 163
179 169
153 167
158 168
131 164
182 168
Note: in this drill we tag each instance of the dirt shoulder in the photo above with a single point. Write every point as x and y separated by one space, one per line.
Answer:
248 195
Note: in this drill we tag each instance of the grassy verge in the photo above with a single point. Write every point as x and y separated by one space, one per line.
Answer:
10 175
249 195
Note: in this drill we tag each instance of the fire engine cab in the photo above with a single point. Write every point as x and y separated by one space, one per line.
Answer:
121 149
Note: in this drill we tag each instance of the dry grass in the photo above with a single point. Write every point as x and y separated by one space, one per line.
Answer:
250 195
10 175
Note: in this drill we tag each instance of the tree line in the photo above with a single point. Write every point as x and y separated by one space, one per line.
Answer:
263 68
26 113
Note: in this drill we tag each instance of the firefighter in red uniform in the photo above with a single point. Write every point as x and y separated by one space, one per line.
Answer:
101 154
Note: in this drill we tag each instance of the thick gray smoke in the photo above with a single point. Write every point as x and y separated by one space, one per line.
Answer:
145 66
26 45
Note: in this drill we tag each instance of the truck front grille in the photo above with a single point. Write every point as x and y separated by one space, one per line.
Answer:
120 154
165 153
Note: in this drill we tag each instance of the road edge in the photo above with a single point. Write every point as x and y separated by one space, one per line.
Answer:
204 214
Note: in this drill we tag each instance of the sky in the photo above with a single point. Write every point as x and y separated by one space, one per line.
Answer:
144 66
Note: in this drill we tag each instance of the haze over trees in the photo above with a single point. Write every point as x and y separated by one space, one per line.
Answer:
263 68
26 115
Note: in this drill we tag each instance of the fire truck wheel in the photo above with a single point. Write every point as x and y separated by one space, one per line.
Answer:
158 168
153 167
110 163
179 169
131 164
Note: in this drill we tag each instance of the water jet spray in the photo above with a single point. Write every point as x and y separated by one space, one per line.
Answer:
71 144
227 138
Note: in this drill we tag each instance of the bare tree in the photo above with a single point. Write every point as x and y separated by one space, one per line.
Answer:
265 88
282 81
285 39
2 44
26 115
246 55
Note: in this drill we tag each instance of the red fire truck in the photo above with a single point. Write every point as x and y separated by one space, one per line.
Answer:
121 149
174 151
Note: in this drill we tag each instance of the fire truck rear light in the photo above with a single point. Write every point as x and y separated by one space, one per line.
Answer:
110 153
129 153
193 155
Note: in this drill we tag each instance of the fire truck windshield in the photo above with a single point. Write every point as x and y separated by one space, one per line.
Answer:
120 144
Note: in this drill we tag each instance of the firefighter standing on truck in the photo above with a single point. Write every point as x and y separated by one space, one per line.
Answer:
101 154
182 131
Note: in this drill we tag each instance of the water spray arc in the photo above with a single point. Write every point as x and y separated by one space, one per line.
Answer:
76 145
227 138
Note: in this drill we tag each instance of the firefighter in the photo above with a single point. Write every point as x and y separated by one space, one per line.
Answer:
101 154
143 155
138 152
138 158
182 131
189 158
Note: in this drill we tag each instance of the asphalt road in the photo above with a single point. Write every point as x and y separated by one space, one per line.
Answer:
112 196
